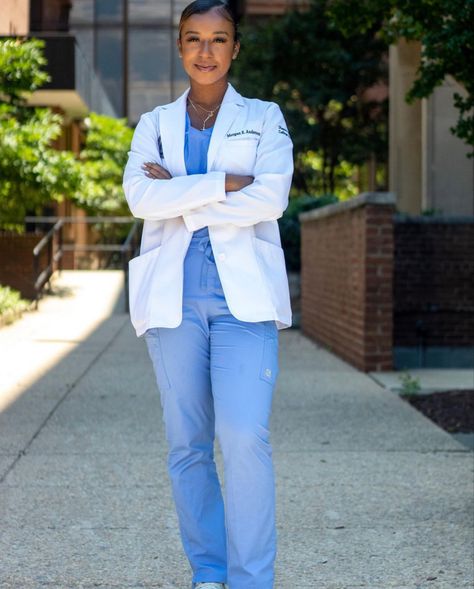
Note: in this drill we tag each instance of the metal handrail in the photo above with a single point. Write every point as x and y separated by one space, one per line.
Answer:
54 256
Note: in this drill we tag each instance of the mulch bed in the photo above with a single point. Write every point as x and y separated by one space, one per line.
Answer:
451 410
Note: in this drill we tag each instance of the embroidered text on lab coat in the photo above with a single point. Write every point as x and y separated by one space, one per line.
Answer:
244 132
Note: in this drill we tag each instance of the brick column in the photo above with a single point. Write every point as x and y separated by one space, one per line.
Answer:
347 279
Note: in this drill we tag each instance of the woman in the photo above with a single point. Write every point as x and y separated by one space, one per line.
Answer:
210 174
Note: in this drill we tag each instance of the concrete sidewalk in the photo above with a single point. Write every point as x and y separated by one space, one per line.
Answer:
370 493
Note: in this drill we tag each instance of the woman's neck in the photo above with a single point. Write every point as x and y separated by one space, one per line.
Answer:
208 96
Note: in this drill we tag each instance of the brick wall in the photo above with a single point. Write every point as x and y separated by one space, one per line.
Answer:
434 281
16 262
346 279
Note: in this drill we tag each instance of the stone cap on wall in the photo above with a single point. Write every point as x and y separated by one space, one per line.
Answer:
434 219
379 198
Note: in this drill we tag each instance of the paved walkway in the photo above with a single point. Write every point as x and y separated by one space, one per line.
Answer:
371 494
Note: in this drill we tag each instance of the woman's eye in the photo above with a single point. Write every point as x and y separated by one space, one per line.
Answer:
217 39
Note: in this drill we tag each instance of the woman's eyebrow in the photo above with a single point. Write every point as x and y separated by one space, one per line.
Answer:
214 33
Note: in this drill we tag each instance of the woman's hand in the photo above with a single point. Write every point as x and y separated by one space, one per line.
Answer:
234 182
155 171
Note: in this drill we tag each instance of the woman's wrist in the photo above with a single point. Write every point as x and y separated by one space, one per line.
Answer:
235 182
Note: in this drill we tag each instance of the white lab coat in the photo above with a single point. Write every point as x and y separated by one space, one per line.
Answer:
250 137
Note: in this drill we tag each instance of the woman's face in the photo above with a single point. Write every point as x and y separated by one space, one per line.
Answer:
207 46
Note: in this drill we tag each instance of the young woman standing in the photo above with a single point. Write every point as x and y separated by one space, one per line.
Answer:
210 173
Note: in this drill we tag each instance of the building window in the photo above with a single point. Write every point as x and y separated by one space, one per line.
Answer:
82 12
131 44
109 52
148 11
149 70
109 11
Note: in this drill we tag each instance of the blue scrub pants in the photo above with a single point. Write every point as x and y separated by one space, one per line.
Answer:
216 376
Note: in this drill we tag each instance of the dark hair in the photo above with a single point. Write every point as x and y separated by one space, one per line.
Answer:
202 6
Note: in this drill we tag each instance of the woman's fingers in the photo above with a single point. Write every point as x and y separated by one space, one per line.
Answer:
154 170
234 182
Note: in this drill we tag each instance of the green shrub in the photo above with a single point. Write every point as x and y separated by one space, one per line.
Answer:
290 225
11 304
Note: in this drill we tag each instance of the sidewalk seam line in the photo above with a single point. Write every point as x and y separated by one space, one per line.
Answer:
70 388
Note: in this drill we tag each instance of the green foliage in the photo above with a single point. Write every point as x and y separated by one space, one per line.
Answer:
11 304
21 69
310 164
318 76
410 384
446 32
103 160
32 173
290 228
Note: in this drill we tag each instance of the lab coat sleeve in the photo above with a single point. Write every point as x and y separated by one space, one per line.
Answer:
155 199
267 197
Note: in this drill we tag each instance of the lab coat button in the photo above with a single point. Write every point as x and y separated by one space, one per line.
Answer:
221 256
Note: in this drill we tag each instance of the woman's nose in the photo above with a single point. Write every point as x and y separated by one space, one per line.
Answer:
205 47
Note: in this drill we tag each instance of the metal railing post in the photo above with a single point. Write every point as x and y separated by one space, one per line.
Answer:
53 241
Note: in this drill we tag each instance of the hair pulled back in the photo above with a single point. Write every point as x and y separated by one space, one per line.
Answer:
202 6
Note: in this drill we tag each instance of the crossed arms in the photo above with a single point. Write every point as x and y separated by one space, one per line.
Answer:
214 197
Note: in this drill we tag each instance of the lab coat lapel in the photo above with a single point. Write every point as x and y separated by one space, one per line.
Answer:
231 106
172 127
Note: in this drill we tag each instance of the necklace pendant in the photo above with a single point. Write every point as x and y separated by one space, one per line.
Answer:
205 121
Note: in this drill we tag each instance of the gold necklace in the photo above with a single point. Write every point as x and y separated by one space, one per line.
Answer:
209 115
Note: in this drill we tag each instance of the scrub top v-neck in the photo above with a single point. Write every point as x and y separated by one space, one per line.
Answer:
196 144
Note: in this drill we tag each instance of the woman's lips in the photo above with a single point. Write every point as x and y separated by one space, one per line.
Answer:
205 68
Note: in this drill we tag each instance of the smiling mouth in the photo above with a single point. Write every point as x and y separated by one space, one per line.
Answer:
205 68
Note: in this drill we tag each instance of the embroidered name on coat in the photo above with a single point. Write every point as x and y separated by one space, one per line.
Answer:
243 132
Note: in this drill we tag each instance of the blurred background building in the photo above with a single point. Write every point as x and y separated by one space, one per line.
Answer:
407 289
428 166
128 45
118 57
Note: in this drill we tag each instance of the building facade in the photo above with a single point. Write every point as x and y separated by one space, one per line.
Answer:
429 169
131 44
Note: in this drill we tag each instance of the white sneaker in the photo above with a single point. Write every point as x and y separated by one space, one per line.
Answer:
210 586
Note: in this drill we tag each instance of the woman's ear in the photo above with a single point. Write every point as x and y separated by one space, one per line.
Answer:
178 45
236 49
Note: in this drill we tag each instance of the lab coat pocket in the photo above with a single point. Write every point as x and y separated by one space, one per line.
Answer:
241 155
143 282
269 367
271 260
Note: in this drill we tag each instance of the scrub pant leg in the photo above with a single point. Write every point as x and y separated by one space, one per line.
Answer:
216 376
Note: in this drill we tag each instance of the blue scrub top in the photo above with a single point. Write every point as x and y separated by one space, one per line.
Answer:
196 144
